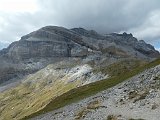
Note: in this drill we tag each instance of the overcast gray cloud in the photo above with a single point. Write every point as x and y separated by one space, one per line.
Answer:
140 17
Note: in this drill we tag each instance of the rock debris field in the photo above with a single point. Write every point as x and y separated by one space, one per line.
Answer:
136 98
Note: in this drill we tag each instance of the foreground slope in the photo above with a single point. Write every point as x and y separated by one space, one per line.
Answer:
88 90
36 91
136 98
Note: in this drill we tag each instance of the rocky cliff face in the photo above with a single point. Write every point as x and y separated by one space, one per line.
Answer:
50 44
54 41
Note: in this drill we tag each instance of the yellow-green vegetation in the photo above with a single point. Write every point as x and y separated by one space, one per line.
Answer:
33 94
22 100
121 67
43 91
84 111
82 92
114 51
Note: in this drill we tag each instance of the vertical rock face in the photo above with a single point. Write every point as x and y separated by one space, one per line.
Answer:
52 43
46 42
31 49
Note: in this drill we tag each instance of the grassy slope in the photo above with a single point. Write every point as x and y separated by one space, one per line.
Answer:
24 102
80 93
27 98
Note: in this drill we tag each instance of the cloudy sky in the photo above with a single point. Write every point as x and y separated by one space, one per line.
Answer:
139 17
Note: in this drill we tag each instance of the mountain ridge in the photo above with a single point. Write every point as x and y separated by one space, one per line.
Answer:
52 43
55 61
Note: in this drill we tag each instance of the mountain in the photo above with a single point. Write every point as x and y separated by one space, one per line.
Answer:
50 44
54 67
37 90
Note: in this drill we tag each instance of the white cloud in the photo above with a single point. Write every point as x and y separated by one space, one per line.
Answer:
16 18
20 6
150 29
141 17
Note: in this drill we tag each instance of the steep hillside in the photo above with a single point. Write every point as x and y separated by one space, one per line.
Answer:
50 44
90 89
137 98
54 66
39 89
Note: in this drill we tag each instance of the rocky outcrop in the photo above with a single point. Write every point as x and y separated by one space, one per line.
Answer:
51 43
44 43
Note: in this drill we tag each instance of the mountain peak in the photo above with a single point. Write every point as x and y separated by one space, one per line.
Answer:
53 43
52 61
84 32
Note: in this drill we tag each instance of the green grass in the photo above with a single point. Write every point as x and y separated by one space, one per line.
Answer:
121 67
80 93
27 98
